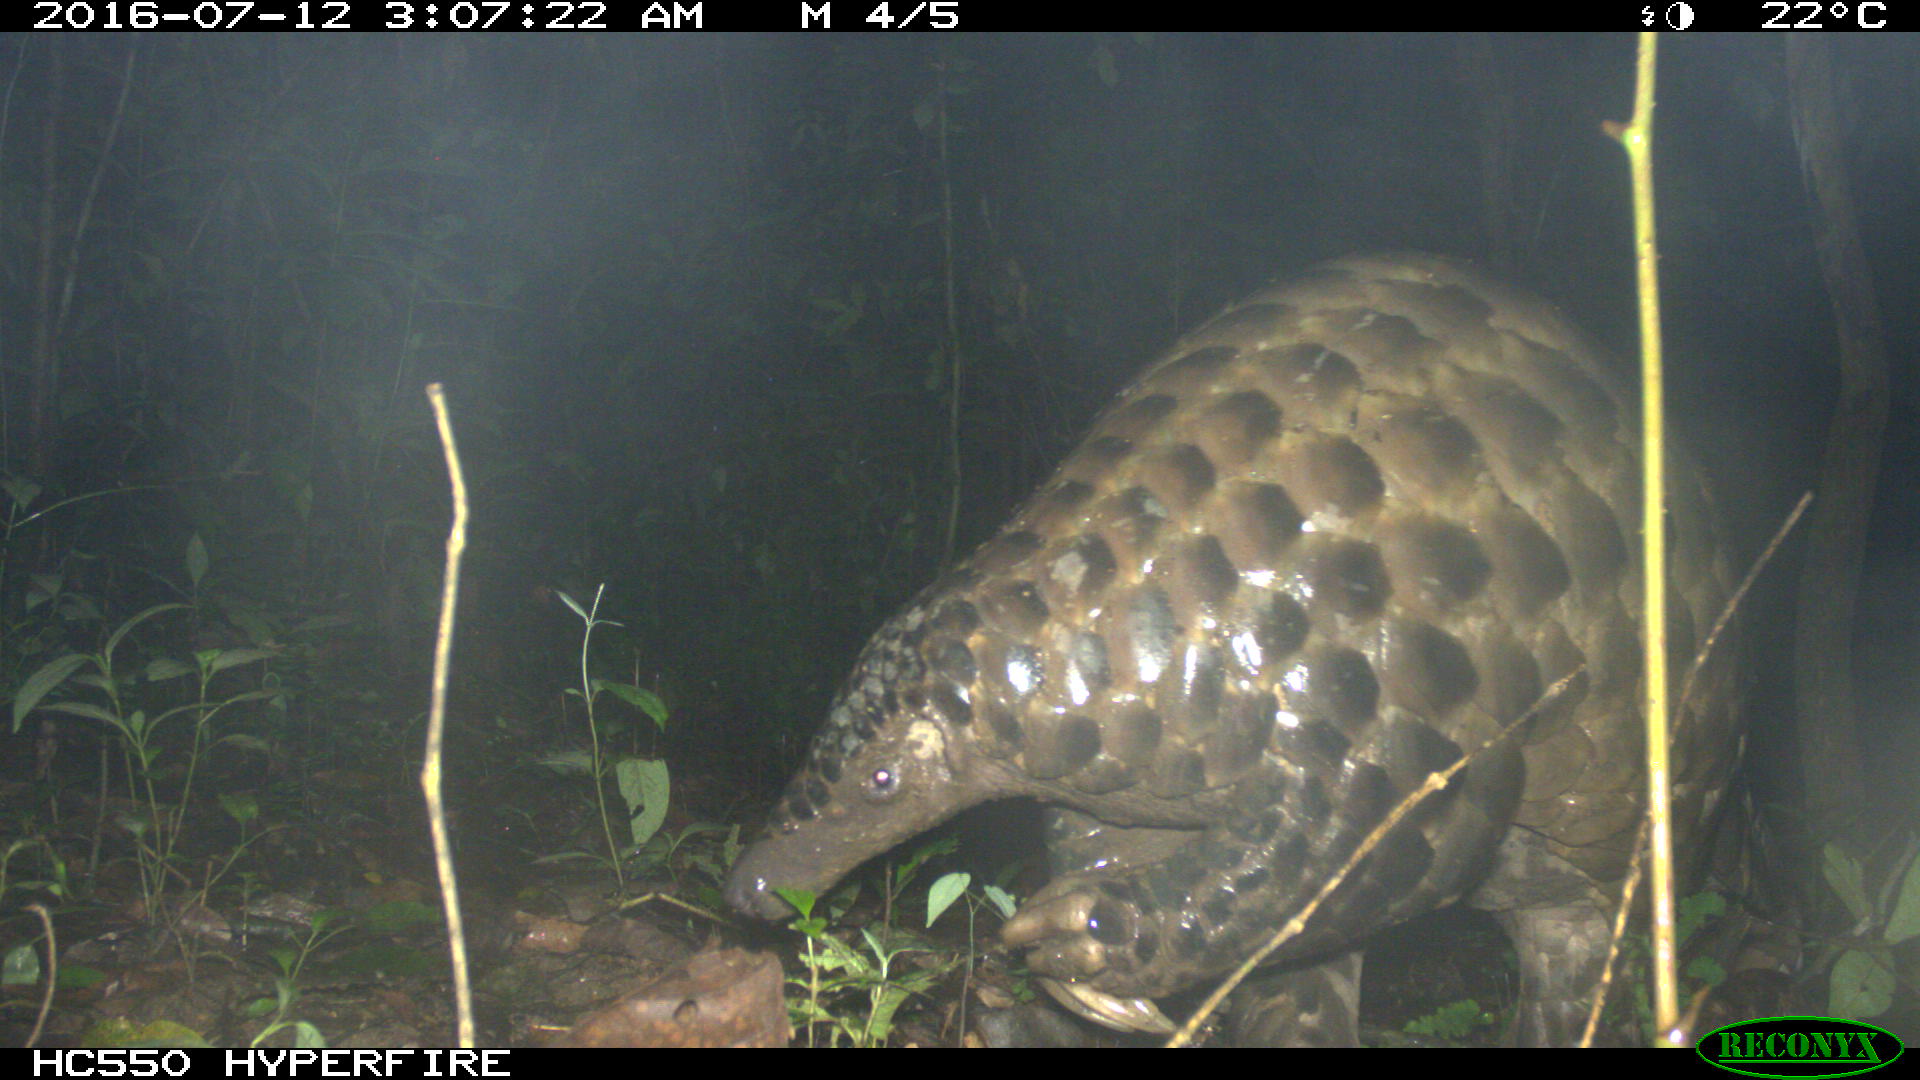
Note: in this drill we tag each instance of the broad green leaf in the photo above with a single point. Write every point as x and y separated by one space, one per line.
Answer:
125 628
20 967
230 658
40 683
1843 875
162 668
947 889
645 700
91 712
1862 984
644 784
1904 923
22 492
196 560
241 808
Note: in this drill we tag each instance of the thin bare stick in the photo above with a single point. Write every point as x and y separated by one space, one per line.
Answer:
1740 593
430 771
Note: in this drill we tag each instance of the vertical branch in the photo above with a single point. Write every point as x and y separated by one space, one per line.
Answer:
1636 136
430 770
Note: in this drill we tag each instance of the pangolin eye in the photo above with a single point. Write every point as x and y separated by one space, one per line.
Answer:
883 782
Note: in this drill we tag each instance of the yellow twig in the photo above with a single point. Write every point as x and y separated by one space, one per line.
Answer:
437 717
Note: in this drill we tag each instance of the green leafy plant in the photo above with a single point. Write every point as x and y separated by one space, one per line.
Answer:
1882 916
644 783
837 971
157 829
701 847
1452 1022
954 886
286 987
20 964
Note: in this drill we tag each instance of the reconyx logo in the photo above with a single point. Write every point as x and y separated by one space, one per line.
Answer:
1800 1047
